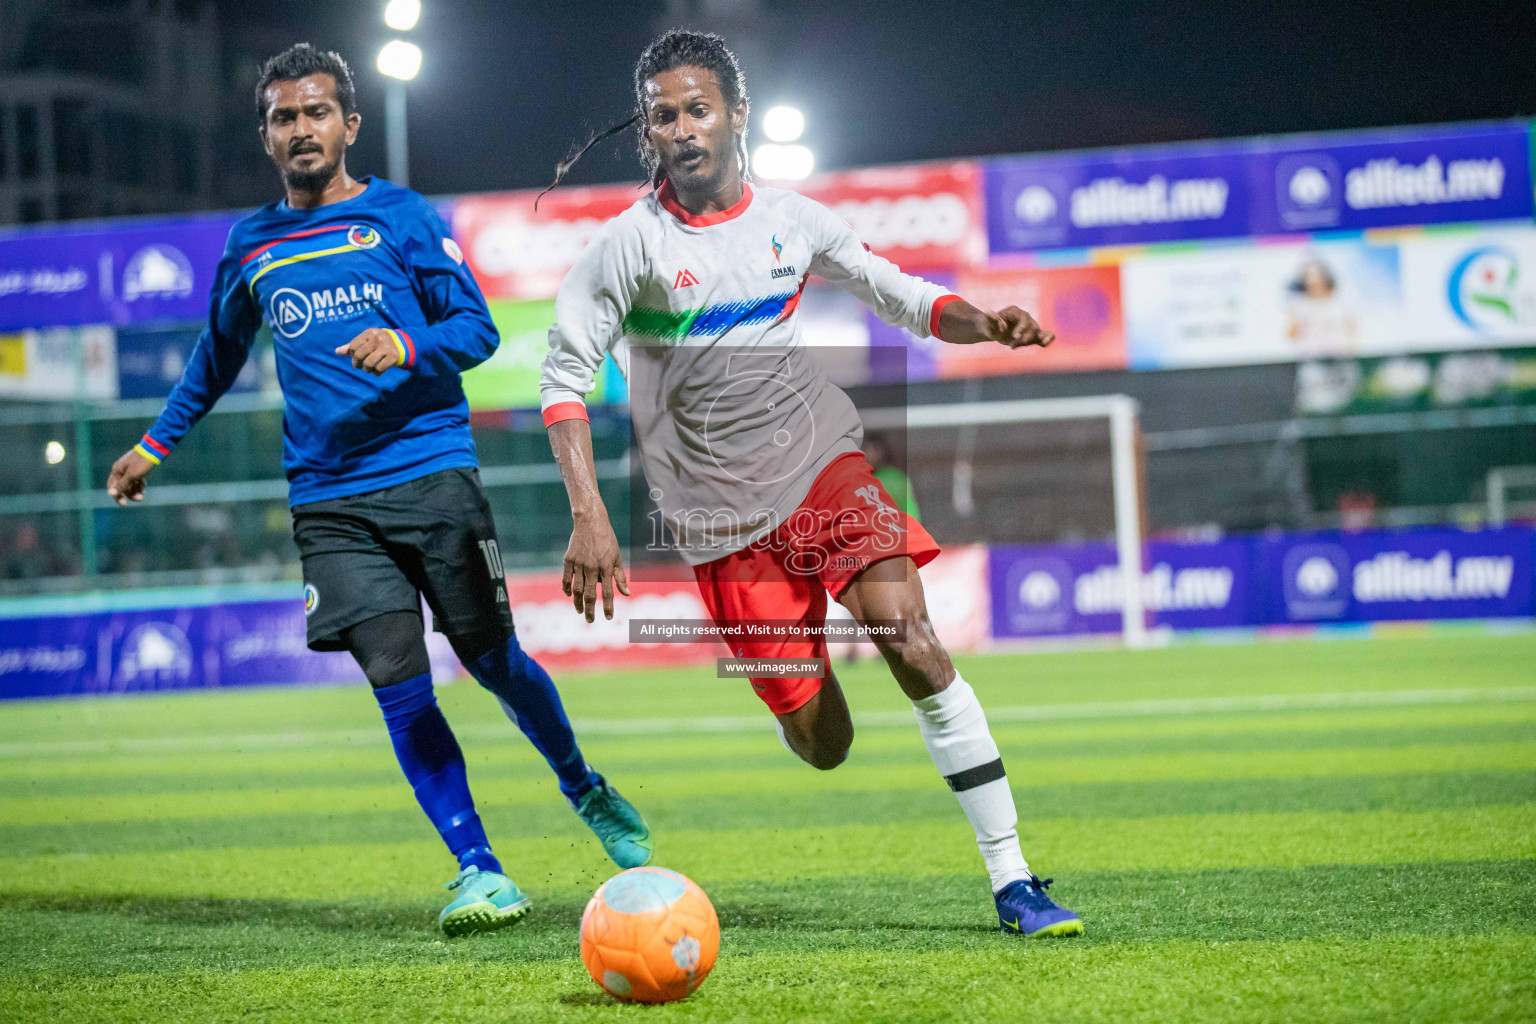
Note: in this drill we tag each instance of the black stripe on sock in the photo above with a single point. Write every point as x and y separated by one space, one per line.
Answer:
978 776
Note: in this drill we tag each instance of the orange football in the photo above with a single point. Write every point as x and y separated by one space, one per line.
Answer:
649 935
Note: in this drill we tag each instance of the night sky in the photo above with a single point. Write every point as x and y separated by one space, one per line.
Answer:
507 87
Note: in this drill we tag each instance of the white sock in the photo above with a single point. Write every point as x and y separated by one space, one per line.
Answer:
955 729
778 727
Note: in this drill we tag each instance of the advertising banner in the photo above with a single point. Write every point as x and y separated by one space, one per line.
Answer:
1384 178
237 644
1345 181
1421 574
1059 590
119 275
1467 288
519 253
59 363
1238 304
551 630
1081 304
1415 383
510 378
1125 197
1471 289
150 361
197 644
918 216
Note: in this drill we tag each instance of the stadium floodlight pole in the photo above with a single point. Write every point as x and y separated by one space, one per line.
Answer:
400 62
395 134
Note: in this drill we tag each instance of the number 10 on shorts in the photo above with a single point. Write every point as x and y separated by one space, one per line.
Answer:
492 555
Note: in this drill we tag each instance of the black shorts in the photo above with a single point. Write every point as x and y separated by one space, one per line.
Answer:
380 552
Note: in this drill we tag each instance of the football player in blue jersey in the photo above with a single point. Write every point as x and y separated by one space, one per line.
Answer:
374 316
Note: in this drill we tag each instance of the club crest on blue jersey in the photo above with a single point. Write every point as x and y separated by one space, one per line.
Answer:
362 236
311 599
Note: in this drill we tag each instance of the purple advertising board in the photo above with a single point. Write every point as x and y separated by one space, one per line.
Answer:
129 272
1357 180
1346 181
135 273
1051 590
189 646
1125 197
1382 576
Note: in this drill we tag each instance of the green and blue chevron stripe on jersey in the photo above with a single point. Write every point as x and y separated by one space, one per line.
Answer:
643 322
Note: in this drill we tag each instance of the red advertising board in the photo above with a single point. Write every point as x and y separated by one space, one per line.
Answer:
550 629
1081 304
517 252
918 216
923 216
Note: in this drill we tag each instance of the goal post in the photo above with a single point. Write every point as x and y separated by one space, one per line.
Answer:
1120 412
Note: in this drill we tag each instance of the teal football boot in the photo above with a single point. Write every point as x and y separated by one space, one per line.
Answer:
485 902
623 832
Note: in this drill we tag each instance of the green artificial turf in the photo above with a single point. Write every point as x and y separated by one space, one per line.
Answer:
1360 847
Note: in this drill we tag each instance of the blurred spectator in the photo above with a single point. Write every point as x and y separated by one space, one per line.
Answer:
26 558
1357 510
878 450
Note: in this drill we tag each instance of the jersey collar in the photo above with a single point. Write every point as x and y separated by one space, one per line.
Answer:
668 199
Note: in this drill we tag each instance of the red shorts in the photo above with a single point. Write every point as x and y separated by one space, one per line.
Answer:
847 523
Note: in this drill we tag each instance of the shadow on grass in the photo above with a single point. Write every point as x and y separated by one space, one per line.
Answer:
1440 898
196 911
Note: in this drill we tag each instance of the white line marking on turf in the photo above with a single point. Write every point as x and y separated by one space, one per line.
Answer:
1164 708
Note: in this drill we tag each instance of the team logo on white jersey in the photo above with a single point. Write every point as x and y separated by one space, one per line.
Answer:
685 279
363 236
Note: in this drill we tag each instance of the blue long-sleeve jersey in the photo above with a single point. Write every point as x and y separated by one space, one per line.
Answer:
321 277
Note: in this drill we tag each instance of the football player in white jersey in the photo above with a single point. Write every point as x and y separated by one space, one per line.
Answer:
694 291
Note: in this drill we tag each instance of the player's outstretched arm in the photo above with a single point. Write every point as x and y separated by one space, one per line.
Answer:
961 323
593 560
904 300
217 358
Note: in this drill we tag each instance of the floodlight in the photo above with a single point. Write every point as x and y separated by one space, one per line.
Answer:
400 59
402 15
785 163
783 124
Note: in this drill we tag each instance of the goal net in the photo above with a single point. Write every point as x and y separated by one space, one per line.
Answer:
1032 471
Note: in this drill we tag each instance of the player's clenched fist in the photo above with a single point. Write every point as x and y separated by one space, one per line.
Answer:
377 349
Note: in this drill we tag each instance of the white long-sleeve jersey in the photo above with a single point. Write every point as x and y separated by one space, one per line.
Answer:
734 418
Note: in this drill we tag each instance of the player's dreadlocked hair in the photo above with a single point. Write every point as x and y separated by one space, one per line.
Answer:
300 61
676 48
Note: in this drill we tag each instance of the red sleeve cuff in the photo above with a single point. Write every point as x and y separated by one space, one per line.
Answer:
564 411
933 317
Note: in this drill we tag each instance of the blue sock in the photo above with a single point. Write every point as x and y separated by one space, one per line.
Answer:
434 766
529 698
